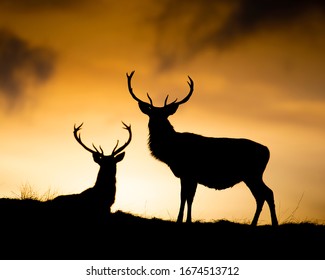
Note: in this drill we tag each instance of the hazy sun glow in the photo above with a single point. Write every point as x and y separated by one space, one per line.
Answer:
260 78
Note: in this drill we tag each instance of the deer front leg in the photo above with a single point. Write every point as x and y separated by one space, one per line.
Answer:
182 205
188 189
191 189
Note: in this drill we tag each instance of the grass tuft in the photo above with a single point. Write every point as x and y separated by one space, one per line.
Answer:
28 192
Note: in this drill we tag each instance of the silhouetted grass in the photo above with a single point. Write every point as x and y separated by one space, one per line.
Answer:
31 229
28 192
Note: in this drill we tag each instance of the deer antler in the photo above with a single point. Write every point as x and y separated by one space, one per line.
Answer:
78 138
128 128
129 77
187 97
190 83
131 90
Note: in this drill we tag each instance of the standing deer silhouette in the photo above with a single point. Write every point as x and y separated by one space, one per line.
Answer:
96 201
217 163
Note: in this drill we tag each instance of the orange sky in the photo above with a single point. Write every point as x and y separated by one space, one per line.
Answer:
258 69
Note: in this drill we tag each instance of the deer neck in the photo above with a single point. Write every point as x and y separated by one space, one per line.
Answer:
161 134
105 179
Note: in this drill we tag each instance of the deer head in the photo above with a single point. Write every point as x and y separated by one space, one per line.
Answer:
168 108
98 155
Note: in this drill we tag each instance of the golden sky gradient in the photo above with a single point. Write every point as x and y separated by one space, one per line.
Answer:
258 69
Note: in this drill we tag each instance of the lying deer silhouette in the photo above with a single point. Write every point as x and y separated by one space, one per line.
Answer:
98 199
217 163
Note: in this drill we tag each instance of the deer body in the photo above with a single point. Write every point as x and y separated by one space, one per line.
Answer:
98 198
217 163
104 190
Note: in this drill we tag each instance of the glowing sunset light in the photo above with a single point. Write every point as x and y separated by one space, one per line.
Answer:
258 75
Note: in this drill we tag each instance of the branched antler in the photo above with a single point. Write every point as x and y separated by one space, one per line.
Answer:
128 128
187 97
78 138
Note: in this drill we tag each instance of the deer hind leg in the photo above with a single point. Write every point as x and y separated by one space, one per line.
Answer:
270 201
188 189
262 193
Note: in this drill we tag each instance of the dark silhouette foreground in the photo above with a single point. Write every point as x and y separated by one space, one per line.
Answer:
32 234
217 163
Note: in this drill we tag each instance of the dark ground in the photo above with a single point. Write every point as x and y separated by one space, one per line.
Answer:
29 230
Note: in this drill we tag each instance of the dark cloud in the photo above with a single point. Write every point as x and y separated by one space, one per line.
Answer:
40 4
220 24
20 63
253 15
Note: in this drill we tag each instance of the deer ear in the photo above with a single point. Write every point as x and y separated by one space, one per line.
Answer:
145 108
171 109
96 157
119 157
